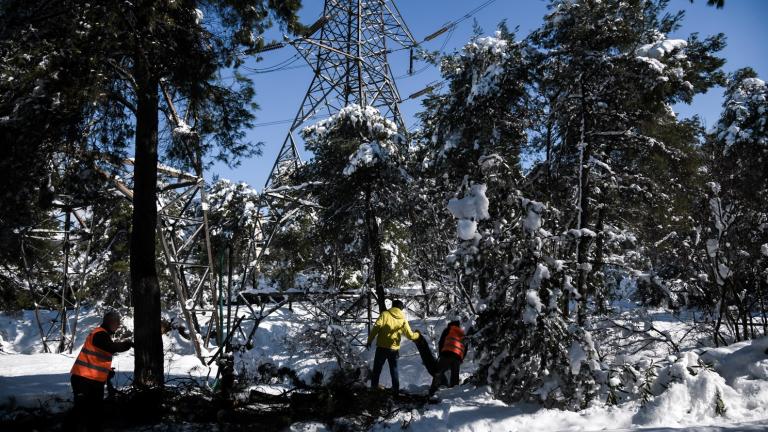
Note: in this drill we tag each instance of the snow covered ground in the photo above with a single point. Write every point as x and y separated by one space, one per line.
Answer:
740 374
31 378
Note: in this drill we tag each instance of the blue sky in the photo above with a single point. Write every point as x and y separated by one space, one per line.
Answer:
280 93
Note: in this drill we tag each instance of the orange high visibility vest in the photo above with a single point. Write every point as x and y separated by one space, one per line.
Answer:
454 342
92 362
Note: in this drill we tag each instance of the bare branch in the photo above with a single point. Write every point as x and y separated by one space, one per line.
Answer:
124 73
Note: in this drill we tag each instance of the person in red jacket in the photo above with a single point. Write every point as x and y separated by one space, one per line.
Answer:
92 369
452 351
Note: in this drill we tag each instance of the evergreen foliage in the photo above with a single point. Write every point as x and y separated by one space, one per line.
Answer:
549 177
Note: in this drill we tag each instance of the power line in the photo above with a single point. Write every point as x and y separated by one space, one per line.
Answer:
278 66
284 121
428 65
271 123
450 27
474 11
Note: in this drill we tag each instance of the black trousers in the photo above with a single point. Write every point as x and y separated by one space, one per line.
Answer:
390 356
447 361
89 404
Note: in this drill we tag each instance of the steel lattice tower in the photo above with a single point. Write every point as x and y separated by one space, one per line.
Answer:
347 49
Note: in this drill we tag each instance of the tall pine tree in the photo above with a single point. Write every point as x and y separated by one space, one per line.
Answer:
610 74
98 69
470 145
356 177
734 226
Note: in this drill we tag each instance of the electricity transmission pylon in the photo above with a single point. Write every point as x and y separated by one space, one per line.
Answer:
347 49
66 236
182 228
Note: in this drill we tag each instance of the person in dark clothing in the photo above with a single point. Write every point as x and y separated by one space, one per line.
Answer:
452 351
91 371
426 354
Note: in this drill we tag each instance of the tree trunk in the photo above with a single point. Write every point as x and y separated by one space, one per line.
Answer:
582 254
597 270
582 250
582 244
742 310
721 310
145 288
374 245
565 299
482 285
761 296
549 155
230 269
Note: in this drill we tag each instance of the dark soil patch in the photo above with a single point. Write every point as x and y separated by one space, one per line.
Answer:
350 408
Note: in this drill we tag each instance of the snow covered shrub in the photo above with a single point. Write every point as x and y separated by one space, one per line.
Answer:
340 343
631 381
526 350
686 387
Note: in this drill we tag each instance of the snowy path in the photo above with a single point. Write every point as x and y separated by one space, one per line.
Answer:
473 410
31 379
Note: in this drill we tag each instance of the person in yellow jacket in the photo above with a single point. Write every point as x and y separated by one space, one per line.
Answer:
387 331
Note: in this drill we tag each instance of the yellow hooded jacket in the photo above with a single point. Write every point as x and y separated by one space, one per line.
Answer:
389 327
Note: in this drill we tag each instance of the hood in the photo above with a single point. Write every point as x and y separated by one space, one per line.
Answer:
396 312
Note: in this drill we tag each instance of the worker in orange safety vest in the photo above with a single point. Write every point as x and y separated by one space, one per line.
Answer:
452 351
92 369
